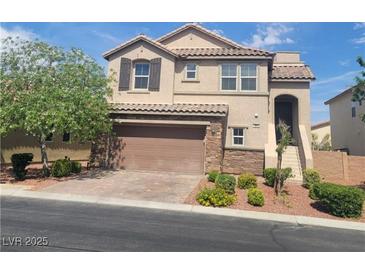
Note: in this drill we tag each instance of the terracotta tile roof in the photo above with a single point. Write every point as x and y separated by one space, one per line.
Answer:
134 40
201 29
198 52
291 72
198 109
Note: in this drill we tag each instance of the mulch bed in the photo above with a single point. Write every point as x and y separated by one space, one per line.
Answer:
294 201
34 178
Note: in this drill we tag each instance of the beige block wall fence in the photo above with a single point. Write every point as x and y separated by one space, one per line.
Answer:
338 167
18 142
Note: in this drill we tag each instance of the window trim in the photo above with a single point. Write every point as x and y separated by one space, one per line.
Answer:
231 77
235 136
248 77
141 76
187 70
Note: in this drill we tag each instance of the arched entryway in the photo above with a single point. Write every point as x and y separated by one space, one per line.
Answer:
286 109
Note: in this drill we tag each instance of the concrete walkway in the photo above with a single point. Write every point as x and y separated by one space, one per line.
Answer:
134 185
18 191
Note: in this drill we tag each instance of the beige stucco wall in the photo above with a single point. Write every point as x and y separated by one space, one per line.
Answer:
191 38
242 110
139 51
347 132
300 90
18 142
321 132
208 76
286 57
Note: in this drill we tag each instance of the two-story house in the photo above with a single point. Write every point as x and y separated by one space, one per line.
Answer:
194 101
347 129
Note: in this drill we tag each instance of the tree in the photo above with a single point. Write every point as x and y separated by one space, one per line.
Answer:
358 92
46 90
284 141
324 144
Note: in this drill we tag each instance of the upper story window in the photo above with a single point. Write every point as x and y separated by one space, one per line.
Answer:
238 137
191 72
353 109
248 77
141 75
228 76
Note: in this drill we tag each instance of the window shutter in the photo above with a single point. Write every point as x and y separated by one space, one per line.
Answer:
124 73
155 72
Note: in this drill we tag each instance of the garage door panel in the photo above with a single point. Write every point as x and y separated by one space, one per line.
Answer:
159 148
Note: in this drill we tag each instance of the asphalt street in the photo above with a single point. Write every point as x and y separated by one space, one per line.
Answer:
46 225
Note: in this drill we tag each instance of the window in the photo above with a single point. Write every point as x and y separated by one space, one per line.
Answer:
237 136
66 137
191 71
141 75
229 76
248 76
49 138
353 109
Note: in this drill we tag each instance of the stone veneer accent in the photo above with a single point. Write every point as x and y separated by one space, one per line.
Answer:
100 156
236 161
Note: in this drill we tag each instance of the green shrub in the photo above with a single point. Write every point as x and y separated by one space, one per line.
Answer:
226 182
247 180
311 193
61 168
310 177
19 162
213 175
342 201
75 167
216 197
285 174
255 197
269 175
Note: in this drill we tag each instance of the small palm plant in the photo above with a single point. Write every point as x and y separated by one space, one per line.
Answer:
285 140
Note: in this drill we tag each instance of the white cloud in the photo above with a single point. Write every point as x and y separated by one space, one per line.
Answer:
359 25
339 78
218 31
17 32
360 40
107 37
344 63
270 35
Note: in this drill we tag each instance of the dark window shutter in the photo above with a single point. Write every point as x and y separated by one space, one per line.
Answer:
124 73
155 72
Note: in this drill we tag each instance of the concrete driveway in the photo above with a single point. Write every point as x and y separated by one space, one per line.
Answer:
134 185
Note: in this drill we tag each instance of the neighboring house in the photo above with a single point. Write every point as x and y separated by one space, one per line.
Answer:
194 101
347 129
57 147
321 130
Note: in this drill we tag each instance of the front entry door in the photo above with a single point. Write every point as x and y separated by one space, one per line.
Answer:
283 111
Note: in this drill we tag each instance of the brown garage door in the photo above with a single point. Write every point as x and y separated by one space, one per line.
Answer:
160 148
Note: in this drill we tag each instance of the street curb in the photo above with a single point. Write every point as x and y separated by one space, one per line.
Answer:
237 213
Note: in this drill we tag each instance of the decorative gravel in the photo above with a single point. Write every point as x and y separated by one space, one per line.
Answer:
294 201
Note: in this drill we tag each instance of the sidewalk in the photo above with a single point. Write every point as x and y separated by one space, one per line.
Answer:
24 192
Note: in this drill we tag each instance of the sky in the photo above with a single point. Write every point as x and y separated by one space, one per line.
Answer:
330 49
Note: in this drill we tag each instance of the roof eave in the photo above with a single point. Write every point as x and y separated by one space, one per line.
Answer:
137 39
168 113
226 57
201 29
